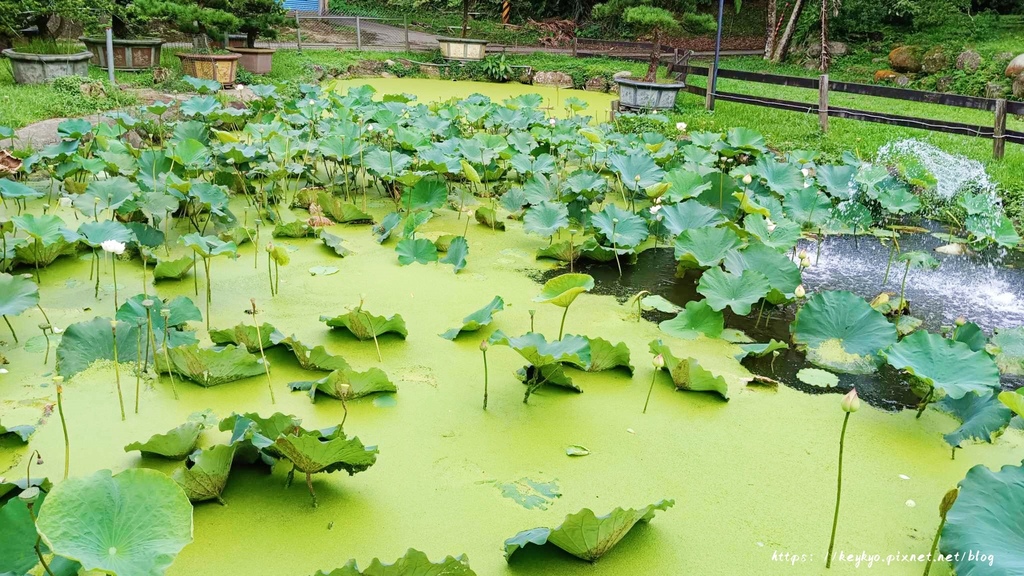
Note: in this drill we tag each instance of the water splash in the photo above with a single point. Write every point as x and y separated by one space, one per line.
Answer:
955 173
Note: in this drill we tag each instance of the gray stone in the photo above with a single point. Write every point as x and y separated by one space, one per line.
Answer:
934 61
596 84
836 49
995 90
968 61
1015 67
1018 86
560 79
901 80
623 74
1003 57
943 83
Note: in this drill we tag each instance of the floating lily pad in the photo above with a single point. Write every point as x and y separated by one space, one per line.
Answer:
738 292
819 378
174 445
173 269
347 384
414 563
83 343
488 218
607 356
208 367
335 243
477 320
316 358
950 367
696 319
365 326
841 332
688 374
248 336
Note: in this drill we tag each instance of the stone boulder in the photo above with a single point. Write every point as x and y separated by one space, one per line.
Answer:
943 83
995 90
885 76
560 79
1015 67
596 84
1018 86
905 59
623 74
968 61
901 80
934 60
837 49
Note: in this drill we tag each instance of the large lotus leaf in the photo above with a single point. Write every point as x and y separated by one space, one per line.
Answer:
807 207
842 332
988 517
86 342
972 335
838 180
182 310
689 215
414 563
317 358
477 320
175 444
898 198
341 212
584 534
18 545
1014 401
638 171
111 194
387 225
258 431
539 352
246 335
688 374
428 194
416 250
706 246
607 356
209 367
563 290
347 384
950 367
918 259
737 291
173 269
46 228
983 417
205 473
41 253
458 251
293 229
135 522
1008 347
783 275
209 246
696 319
489 218
312 454
17 294
546 219
15 190
96 233
780 177
366 326
781 235
685 184
622 228
22 431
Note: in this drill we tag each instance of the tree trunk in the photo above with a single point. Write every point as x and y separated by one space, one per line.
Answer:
782 49
773 18
652 68
250 39
826 57
465 17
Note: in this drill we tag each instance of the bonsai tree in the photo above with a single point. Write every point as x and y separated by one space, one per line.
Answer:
126 20
204 19
656 22
50 17
259 18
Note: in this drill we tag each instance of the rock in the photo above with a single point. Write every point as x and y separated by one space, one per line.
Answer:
968 61
905 59
1015 67
943 83
161 75
134 139
812 64
901 80
885 76
1018 86
596 84
389 63
560 79
995 90
1003 57
386 75
93 90
934 60
836 49
431 71
623 74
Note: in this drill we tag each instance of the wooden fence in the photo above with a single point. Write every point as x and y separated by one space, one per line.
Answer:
997 132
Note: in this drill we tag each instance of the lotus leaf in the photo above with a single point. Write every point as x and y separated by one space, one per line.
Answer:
655 302
17 294
86 342
696 319
737 291
246 335
987 517
706 247
688 374
607 356
841 332
18 546
311 358
366 326
783 275
347 384
982 417
1008 347
546 219
293 229
182 310
947 366
477 320
414 563
174 445
685 184
96 521
210 367
22 431
416 250
584 534
818 378
972 335
456 253
689 215
838 180
781 177
428 194
1014 401
637 171
807 207
539 352
173 269
783 236
489 218
341 212
563 290
10 189
311 453
623 229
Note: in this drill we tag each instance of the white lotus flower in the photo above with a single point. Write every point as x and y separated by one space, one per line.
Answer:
552 121
681 126
747 179
239 87
655 208
112 247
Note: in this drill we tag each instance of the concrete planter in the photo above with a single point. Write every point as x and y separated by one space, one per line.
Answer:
462 49
130 55
637 95
42 68
237 40
220 67
255 60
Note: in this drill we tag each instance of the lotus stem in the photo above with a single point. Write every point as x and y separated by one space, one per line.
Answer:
113 271
117 369
483 349
39 247
888 266
373 330
11 328
63 424
270 274
167 354
924 402
561 327
532 314
572 258
615 249
209 291
839 492
654 377
309 485
263 356
150 336
277 278
145 288
45 317
138 368
195 276
46 357
345 389
903 285
96 287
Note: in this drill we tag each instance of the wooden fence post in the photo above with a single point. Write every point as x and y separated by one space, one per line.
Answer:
823 102
575 46
709 99
999 131
408 48
359 33
298 34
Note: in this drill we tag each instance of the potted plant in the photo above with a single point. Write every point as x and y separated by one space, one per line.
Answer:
648 94
463 48
46 57
132 50
205 20
259 18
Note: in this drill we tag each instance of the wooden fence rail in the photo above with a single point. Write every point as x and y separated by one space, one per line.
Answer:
1000 108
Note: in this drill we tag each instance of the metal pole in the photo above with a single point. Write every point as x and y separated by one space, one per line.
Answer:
298 34
407 47
713 84
359 33
110 55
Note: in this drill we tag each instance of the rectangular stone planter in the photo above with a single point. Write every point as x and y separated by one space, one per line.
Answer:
636 95
42 68
220 67
255 60
462 49
130 55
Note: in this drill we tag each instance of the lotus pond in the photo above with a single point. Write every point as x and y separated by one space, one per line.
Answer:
419 330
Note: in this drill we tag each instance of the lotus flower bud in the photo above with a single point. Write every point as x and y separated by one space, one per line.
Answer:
484 345
802 254
960 321
800 292
947 501
636 178
805 262
165 313
851 402
113 324
747 179
659 361
552 121
58 380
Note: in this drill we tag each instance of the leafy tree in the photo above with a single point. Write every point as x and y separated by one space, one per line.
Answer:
203 18
259 18
51 17
656 21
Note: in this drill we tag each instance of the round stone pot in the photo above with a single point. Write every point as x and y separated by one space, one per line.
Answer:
42 68
255 60
220 67
462 49
637 95
129 55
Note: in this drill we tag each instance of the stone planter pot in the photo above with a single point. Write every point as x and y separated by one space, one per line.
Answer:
237 40
637 95
462 49
130 55
42 68
255 60
220 67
